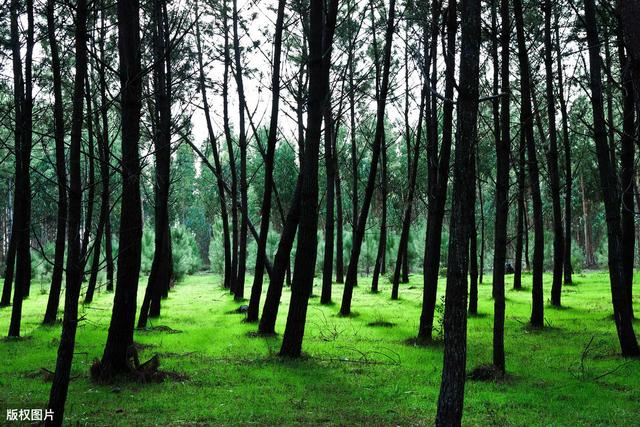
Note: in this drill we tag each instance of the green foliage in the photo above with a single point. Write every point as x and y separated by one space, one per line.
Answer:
186 259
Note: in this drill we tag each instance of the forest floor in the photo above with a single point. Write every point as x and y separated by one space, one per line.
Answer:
360 370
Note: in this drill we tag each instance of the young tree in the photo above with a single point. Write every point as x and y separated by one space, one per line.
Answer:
450 401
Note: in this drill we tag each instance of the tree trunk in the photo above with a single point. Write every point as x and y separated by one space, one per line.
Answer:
339 215
609 183
242 142
537 310
352 270
627 171
120 336
554 176
75 262
320 43
450 401
256 289
53 301
503 151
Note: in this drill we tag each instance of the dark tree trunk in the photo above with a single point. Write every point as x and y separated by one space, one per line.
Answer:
10 261
352 270
75 262
320 43
382 243
339 215
537 309
120 337
53 301
242 142
438 176
216 160
327 267
627 172
450 401
566 142
520 224
503 150
232 162
406 219
159 277
23 126
265 212
611 196
473 266
554 176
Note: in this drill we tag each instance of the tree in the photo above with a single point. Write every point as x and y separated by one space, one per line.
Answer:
322 26
120 336
450 401
378 140
75 263
610 192
526 115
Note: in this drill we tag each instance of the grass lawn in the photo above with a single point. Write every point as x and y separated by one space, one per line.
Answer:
354 373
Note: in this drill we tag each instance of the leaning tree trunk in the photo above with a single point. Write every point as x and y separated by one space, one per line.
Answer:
120 336
256 289
611 196
450 401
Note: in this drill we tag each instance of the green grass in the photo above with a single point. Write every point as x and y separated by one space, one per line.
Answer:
353 373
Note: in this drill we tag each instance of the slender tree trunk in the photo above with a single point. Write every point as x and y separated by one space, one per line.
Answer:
503 150
627 172
120 336
327 267
231 153
5 300
438 176
256 289
554 176
609 182
537 310
75 262
450 401
242 142
352 270
586 218
159 277
22 210
566 142
216 160
53 301
382 243
339 215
